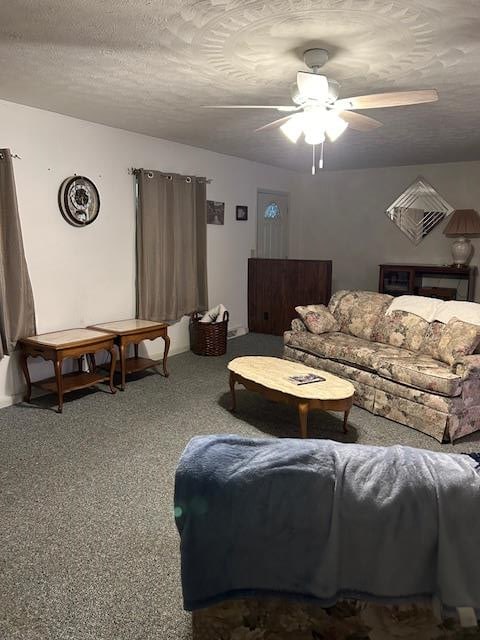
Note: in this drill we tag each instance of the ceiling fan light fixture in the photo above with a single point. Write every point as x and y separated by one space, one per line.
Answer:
314 136
312 86
314 125
335 126
333 90
293 128
295 94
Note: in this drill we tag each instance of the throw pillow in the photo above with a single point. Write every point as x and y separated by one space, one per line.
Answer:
458 339
400 329
358 311
317 318
431 340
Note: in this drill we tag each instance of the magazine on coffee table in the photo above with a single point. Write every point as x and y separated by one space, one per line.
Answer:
306 378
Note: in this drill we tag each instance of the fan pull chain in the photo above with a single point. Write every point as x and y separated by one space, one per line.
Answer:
313 159
320 162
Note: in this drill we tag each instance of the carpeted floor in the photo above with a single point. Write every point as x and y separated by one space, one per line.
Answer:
88 546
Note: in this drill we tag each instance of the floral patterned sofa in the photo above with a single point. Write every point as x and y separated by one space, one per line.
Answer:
394 363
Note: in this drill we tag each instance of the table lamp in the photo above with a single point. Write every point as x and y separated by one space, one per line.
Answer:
462 224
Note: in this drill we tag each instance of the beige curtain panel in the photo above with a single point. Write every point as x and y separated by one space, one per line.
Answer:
171 245
17 313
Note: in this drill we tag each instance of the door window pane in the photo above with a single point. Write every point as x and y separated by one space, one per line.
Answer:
271 211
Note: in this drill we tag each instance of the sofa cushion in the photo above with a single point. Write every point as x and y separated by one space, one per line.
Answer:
358 311
421 372
392 363
335 299
431 340
458 339
298 325
342 348
450 342
317 318
400 329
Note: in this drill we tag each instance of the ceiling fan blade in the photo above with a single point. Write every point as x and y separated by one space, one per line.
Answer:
279 107
274 124
392 99
312 85
358 121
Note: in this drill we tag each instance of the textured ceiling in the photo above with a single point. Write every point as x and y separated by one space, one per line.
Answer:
148 65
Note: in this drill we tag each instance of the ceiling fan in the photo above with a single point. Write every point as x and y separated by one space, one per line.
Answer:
318 112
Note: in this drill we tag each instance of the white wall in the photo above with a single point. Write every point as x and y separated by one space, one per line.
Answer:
340 215
83 276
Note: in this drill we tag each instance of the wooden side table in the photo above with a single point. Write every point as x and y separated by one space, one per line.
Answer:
134 331
58 345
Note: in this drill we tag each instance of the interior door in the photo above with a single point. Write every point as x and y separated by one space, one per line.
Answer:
272 224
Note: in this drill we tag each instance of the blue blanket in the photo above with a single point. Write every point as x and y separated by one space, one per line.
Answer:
322 520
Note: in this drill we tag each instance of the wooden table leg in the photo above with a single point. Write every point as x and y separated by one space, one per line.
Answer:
232 391
345 420
303 417
135 349
113 359
123 365
57 365
91 362
166 339
26 373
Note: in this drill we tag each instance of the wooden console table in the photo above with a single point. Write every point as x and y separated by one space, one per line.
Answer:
133 331
402 279
72 343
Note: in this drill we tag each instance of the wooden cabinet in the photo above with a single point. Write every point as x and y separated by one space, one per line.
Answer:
276 287
433 281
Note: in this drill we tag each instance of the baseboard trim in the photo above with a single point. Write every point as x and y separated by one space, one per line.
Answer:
174 351
8 401
236 332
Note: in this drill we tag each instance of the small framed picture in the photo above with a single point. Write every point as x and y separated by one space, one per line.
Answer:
241 212
215 212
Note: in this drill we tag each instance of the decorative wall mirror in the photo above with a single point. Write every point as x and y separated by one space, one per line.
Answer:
418 210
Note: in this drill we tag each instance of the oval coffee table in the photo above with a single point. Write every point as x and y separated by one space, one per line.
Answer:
269 377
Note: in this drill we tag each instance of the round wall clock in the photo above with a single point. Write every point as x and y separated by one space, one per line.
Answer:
79 201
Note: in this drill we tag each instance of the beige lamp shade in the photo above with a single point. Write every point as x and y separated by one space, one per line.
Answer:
463 222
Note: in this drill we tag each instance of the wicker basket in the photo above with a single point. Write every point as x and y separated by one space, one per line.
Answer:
208 338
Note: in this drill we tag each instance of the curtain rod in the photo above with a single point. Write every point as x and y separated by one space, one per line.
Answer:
12 155
133 172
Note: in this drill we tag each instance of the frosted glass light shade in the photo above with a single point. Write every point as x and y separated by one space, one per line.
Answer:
335 126
293 128
314 136
314 125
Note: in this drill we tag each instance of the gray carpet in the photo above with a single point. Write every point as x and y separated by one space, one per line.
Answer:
88 547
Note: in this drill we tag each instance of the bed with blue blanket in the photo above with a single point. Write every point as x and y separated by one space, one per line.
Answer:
316 521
